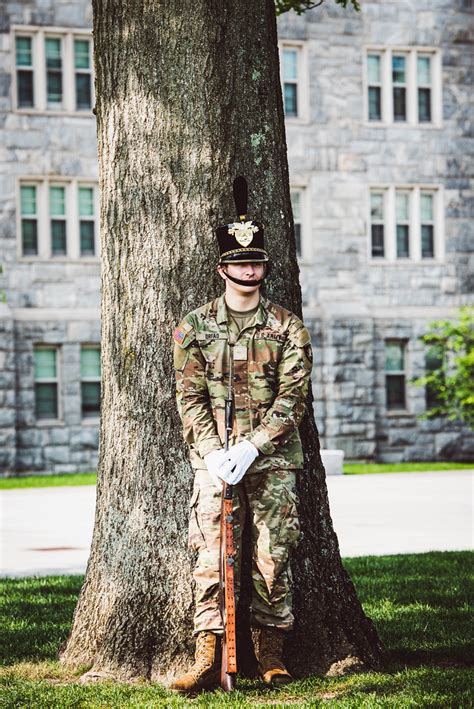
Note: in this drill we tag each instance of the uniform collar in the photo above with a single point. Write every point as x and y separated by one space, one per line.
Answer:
260 316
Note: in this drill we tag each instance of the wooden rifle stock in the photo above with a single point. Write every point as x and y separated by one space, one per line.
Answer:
227 554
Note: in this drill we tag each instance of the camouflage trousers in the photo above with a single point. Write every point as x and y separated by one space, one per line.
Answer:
271 498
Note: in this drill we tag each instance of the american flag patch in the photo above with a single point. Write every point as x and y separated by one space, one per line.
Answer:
179 335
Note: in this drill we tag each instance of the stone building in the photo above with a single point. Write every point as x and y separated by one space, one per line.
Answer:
379 136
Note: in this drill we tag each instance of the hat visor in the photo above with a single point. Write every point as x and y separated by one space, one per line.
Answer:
245 257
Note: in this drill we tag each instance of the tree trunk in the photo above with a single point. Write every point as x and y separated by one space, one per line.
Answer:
188 97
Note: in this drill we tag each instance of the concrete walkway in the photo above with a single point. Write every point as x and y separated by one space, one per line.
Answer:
49 530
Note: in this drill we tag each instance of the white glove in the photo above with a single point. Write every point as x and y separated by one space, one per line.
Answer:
213 461
238 460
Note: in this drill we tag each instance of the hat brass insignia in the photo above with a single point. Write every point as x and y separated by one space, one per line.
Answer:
243 232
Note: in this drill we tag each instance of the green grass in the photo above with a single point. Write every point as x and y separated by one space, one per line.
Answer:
349 469
365 468
48 480
419 603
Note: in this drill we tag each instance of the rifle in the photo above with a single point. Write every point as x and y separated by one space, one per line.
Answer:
226 566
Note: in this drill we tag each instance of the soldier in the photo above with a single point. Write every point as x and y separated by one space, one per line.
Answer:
272 356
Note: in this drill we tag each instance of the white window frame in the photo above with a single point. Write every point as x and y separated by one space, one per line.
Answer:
390 237
411 54
305 221
72 185
57 380
302 82
89 346
67 37
404 372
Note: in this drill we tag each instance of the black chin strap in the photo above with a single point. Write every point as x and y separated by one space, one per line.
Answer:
240 282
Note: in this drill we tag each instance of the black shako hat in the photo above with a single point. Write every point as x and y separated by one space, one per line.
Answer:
241 241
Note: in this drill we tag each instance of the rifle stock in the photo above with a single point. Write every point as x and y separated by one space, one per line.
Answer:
226 566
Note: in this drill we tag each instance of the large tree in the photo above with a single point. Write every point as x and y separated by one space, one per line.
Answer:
188 97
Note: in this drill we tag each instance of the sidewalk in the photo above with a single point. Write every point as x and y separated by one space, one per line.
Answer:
49 530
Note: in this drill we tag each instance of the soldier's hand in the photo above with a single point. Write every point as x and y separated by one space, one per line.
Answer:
238 460
213 461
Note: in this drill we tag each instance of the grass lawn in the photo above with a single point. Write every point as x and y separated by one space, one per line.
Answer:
349 469
419 602
365 468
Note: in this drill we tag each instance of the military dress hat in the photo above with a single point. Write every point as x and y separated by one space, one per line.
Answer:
242 240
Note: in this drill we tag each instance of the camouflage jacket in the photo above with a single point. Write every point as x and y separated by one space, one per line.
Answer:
272 367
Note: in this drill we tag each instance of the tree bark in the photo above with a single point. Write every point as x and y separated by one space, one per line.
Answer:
188 97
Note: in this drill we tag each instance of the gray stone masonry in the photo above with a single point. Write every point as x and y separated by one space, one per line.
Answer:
352 304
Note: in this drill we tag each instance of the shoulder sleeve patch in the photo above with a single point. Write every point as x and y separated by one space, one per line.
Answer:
184 334
298 334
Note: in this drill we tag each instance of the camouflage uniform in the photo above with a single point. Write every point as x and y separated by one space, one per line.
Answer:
272 365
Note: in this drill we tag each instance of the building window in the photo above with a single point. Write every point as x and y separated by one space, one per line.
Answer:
395 375
83 69
24 72
54 72
29 220
403 85
53 69
433 362
403 223
297 218
57 212
406 222
377 221
427 224
294 79
46 382
90 381
374 75
58 218
86 221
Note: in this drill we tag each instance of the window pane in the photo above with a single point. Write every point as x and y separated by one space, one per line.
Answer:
90 392
58 236
45 363
87 238
375 103
373 68
90 362
377 240
402 241
81 54
395 389
393 357
433 361
25 96
399 104
290 97
86 201
290 64
295 204
398 70
23 51
83 91
402 206
46 400
427 241
29 237
424 105
376 205
28 199
56 201
426 207
298 238
53 53
54 82
423 68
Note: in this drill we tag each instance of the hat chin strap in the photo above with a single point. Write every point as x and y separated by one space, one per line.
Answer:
240 282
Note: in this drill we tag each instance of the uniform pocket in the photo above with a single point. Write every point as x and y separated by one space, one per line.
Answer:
196 539
290 526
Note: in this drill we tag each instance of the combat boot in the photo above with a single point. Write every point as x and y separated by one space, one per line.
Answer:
205 673
268 646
